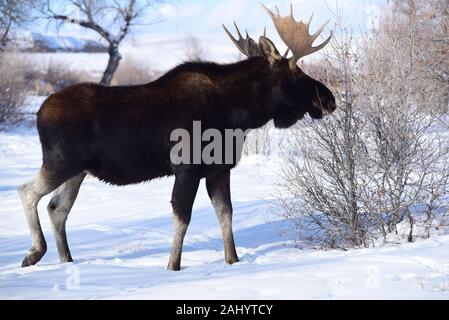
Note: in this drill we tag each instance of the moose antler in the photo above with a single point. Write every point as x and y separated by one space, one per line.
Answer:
295 34
247 46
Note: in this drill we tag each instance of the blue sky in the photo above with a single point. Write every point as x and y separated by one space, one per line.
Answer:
163 45
206 16
195 17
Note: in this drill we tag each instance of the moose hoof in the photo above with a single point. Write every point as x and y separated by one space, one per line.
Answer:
66 260
174 267
33 257
232 260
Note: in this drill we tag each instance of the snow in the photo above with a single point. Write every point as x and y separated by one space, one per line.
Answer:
120 238
56 43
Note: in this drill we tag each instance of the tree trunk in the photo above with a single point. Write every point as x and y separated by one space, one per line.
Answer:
114 60
4 37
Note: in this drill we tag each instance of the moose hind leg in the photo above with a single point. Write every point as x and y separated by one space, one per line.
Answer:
218 188
30 193
183 196
58 209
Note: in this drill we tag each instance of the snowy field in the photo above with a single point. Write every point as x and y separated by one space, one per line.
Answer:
121 237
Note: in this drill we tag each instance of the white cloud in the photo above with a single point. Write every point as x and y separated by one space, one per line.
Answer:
168 10
228 11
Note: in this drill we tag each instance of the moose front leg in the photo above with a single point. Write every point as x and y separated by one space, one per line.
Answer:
183 196
218 188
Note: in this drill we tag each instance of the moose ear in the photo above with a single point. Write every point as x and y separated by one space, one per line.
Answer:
268 50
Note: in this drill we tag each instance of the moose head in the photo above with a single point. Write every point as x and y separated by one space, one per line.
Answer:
294 93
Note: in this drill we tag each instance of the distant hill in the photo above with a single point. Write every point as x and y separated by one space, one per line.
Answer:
37 42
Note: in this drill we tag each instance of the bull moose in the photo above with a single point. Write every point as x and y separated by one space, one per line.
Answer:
121 134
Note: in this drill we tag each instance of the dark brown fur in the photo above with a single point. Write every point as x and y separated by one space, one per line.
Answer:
121 134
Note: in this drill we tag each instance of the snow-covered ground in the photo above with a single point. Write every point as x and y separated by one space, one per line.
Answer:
120 239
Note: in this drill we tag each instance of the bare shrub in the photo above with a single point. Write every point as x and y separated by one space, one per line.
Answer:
378 167
408 171
57 76
418 30
54 77
258 141
326 73
266 140
322 176
12 91
194 51
407 157
131 72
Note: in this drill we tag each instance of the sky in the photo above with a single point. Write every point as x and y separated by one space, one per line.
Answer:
184 19
198 18
195 16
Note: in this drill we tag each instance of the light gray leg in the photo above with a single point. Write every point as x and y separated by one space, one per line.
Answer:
30 193
218 188
180 226
58 209
184 192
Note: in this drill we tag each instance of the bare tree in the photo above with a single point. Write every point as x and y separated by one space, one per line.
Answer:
13 13
111 19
